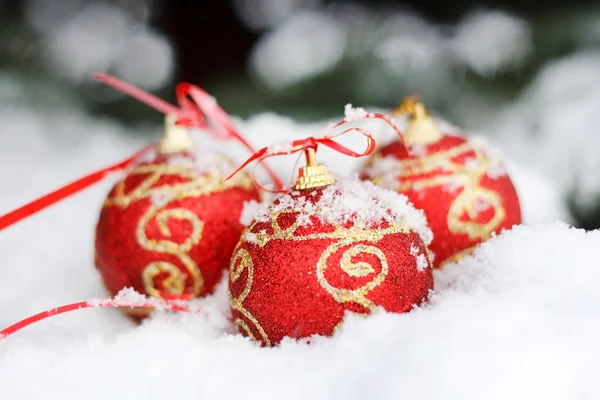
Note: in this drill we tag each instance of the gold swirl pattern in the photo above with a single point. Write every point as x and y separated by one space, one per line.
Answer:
462 176
196 186
354 238
235 272
175 283
353 270
181 251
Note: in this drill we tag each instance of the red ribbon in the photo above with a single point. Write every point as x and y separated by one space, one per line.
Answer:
313 142
168 305
67 190
196 109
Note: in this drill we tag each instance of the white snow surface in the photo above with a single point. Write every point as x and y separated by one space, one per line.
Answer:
519 319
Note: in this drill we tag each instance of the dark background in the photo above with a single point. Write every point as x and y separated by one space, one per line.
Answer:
214 27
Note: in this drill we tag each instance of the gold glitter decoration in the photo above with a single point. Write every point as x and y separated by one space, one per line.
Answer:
210 182
355 234
242 326
169 247
356 295
176 138
460 176
235 272
313 175
359 269
421 128
174 284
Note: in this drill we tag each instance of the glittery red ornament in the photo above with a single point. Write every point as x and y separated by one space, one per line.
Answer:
324 250
465 194
168 229
294 280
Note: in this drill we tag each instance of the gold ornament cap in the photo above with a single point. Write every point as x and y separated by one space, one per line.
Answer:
176 138
421 128
313 175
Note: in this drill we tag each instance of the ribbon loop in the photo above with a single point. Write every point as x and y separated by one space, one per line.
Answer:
314 141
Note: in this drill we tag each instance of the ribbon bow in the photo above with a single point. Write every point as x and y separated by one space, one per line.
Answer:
313 142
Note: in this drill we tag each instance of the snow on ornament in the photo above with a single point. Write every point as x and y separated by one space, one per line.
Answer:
326 248
169 227
462 188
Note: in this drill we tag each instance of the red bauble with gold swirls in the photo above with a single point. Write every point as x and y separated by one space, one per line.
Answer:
466 195
168 229
295 274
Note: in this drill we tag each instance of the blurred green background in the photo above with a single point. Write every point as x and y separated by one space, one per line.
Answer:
362 52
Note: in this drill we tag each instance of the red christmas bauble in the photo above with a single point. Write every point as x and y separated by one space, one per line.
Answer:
168 229
466 195
317 253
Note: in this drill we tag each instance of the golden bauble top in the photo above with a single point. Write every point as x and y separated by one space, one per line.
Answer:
313 175
176 138
421 128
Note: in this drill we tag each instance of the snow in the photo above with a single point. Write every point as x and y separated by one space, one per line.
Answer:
251 208
422 263
496 171
349 200
161 198
519 319
501 313
127 295
280 147
354 113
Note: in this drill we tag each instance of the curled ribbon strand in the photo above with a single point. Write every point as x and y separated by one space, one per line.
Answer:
154 304
196 109
390 123
313 142
326 140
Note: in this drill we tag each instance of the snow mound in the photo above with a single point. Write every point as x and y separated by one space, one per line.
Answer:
524 308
